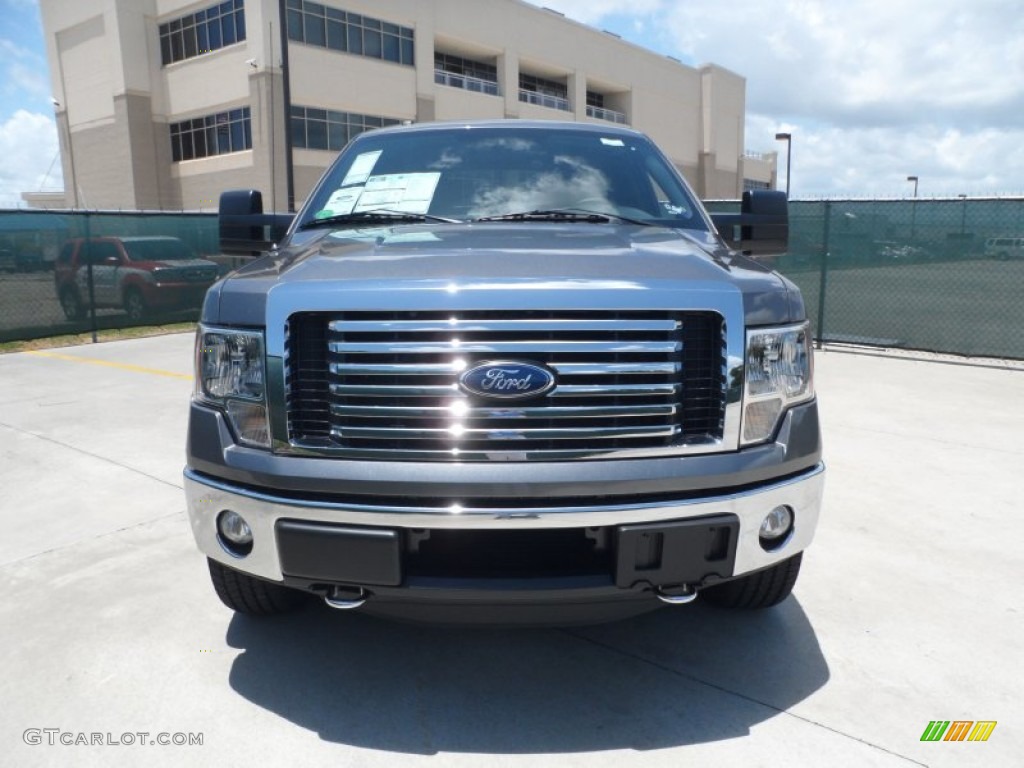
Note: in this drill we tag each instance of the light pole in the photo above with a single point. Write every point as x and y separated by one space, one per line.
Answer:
913 210
286 77
788 138
65 122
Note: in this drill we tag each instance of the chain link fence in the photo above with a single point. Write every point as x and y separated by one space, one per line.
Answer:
942 275
75 272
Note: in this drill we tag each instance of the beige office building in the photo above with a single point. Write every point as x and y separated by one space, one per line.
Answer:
162 104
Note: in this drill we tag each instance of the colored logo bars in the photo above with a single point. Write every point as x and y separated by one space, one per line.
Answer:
958 730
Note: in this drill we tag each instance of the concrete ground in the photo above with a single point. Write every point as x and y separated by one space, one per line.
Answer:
908 609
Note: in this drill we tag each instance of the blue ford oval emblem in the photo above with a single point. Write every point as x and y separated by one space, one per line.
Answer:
507 380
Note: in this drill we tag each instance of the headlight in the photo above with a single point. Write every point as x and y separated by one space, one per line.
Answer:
230 375
779 373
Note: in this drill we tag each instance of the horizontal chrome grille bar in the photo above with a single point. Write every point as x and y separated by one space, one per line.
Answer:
468 433
609 369
505 412
500 347
565 368
500 325
441 390
394 369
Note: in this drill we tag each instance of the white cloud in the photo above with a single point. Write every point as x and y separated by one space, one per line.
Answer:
28 145
28 134
24 72
872 90
832 160
866 62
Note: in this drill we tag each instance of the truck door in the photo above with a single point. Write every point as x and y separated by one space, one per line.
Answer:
106 265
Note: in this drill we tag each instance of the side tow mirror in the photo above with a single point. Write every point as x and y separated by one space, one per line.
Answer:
762 226
243 225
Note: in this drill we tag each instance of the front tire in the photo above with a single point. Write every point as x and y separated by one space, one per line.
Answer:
762 589
135 305
253 597
71 304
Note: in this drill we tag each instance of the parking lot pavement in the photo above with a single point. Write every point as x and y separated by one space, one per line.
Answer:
908 609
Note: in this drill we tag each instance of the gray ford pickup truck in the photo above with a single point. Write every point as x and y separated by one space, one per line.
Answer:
503 372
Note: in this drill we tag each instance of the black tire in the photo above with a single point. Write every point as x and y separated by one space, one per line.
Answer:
71 304
254 597
762 589
135 305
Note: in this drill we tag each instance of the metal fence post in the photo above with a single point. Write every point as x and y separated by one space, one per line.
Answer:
823 282
87 251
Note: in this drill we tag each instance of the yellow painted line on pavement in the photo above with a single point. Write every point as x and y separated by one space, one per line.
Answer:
110 364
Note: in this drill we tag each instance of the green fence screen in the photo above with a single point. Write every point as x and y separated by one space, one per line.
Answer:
64 272
937 275
942 275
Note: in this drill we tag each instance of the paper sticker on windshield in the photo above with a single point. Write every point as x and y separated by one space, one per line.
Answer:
404 192
361 168
613 142
340 203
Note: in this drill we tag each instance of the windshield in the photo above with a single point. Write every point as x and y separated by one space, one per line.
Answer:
491 172
157 250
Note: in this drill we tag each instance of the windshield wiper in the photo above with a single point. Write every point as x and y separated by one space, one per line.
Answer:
376 216
563 214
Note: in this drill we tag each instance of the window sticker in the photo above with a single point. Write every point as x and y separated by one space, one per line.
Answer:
361 168
405 192
613 142
340 203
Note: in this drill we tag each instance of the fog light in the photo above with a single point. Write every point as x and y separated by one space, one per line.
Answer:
775 527
235 533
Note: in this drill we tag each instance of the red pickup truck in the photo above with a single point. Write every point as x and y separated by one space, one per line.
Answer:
139 274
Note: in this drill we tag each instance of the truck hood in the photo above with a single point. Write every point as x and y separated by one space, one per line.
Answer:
514 265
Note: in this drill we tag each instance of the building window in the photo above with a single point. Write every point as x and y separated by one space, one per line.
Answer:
597 109
318 24
314 128
752 184
203 31
468 74
546 93
211 135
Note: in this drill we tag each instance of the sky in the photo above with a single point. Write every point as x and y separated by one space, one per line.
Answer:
872 91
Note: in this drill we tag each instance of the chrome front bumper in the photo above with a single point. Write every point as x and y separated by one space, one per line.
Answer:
207 498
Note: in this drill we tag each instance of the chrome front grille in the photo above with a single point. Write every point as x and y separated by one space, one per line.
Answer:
199 275
385 384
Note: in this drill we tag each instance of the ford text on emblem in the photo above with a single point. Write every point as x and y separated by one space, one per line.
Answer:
507 380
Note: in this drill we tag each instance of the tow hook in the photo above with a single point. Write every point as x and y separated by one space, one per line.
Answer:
679 595
346 599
